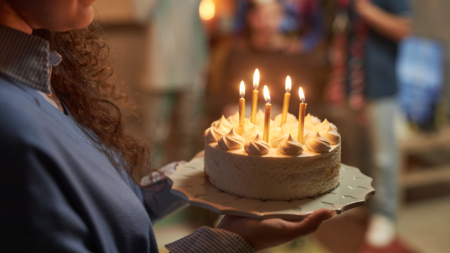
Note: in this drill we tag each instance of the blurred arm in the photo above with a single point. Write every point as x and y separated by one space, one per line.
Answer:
392 26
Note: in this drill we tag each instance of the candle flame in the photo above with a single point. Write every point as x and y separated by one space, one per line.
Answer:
256 80
302 95
288 84
242 89
266 94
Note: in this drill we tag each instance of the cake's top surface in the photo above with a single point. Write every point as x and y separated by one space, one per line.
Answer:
319 137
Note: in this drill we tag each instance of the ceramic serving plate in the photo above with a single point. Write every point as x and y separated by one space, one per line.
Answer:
189 183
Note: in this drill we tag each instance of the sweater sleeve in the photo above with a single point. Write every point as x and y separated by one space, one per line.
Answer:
206 239
158 199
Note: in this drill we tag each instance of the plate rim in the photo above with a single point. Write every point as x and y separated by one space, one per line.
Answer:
224 210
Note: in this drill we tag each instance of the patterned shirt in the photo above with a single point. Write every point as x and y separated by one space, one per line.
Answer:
59 191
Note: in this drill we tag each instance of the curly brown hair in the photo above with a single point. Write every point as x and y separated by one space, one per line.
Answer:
81 82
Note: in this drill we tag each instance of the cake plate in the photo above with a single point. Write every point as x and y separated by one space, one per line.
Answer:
189 182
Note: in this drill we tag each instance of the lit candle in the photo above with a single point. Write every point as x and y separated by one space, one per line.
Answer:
301 116
255 96
287 97
267 114
242 108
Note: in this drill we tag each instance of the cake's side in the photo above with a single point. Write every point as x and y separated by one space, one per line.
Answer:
272 177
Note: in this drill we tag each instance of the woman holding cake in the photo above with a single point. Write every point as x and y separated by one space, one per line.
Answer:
71 179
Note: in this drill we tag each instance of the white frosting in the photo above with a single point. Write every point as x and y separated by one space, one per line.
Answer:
291 129
306 135
259 119
272 176
248 125
231 141
310 126
251 134
213 134
274 129
317 138
312 119
224 122
317 144
325 125
257 146
209 136
234 120
331 135
290 119
290 147
277 139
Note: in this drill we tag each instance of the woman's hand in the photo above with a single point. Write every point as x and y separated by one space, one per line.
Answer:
263 234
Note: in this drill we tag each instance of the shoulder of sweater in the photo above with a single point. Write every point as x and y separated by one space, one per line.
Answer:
21 120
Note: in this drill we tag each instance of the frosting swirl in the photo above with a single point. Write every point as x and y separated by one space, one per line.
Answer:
290 147
312 119
221 128
251 134
259 118
310 126
306 135
317 144
291 129
325 125
257 146
274 129
224 122
332 136
290 119
234 120
209 136
213 134
231 141
248 125
277 139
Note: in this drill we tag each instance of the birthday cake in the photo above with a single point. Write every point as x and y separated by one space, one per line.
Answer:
281 169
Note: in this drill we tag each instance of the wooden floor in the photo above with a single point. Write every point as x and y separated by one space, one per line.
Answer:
425 225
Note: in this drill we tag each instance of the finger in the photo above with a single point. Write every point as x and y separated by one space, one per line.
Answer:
310 223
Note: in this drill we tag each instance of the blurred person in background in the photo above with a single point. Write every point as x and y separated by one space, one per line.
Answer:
301 22
177 57
273 36
377 27
71 178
